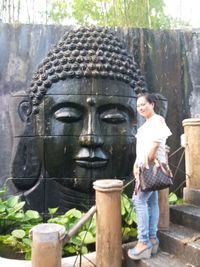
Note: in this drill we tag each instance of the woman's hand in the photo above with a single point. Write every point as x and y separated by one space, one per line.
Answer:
136 171
136 174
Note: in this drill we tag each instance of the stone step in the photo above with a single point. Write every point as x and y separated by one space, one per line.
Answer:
161 259
183 242
186 215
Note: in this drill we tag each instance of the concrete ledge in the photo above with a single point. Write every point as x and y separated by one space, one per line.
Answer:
4 262
183 243
186 215
191 196
161 259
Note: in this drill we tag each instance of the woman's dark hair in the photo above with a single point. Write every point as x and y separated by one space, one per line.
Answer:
160 102
151 98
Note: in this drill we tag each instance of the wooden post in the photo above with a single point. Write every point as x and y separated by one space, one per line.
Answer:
192 155
108 228
164 209
47 245
163 201
191 193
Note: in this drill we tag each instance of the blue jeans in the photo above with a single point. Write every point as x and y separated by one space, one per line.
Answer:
147 211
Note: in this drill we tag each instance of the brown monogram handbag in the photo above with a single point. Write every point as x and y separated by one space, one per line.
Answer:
155 176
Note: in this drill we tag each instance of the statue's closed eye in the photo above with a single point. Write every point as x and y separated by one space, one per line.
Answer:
114 116
68 114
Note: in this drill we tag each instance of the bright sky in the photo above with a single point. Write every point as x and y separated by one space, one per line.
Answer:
188 10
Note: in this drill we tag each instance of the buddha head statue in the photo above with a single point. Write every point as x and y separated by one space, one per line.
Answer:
83 97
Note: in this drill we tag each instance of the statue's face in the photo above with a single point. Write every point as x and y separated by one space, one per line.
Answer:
88 131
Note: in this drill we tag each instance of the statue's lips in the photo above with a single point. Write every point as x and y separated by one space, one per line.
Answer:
91 158
91 163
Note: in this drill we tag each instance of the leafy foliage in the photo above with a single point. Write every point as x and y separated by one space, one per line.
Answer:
174 200
85 236
16 224
115 13
86 12
12 214
58 11
128 219
118 13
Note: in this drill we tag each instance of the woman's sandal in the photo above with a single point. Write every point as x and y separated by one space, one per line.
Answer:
144 254
155 247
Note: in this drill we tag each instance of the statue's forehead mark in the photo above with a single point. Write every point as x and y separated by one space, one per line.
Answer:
91 101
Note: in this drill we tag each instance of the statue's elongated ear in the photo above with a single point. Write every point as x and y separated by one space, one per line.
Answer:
161 104
26 167
24 110
25 164
22 120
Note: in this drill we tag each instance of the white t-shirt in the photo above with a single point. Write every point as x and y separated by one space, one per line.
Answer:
154 129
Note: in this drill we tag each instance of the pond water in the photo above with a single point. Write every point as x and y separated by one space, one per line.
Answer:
10 253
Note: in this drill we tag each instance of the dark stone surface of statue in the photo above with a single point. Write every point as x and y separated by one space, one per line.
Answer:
78 123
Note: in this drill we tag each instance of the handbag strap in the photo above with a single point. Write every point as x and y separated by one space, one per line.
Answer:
146 162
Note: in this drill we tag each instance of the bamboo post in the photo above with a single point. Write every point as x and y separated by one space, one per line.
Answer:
163 202
164 209
108 220
191 193
47 245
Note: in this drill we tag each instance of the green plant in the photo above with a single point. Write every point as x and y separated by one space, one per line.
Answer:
15 225
86 236
118 13
174 200
12 214
128 218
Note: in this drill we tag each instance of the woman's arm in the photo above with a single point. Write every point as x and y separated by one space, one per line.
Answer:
136 170
152 151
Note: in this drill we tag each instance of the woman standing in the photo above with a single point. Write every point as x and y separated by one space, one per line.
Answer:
151 140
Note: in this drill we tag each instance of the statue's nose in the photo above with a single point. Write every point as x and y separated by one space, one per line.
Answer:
91 140
91 135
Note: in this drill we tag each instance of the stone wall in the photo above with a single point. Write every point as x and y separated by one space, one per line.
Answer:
168 59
